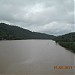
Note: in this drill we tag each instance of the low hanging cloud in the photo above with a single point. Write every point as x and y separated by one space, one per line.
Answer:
48 16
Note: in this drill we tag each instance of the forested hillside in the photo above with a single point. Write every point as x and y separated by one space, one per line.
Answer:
9 32
67 37
67 41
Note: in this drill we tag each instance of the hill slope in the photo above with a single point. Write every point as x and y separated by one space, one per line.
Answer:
67 37
67 41
9 32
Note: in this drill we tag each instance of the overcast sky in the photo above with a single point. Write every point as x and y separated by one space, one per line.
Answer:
48 16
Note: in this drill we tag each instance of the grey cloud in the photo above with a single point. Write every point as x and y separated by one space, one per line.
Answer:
39 15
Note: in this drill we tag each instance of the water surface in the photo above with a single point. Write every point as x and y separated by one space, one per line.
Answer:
34 57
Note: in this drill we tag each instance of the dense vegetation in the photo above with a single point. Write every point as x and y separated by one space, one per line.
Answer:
67 41
9 32
70 37
68 45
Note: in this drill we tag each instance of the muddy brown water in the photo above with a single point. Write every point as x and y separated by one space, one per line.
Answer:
34 57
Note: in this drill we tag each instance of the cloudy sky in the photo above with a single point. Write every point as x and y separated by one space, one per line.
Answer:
48 16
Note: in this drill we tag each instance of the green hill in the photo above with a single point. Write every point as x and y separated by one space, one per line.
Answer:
67 41
70 37
9 32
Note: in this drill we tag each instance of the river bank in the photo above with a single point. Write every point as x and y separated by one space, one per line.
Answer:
68 45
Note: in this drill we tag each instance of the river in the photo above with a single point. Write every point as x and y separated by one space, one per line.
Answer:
34 57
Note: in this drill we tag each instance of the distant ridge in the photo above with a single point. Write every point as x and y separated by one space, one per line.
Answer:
70 37
9 32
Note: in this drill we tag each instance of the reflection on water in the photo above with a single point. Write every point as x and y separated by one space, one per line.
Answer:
36 57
